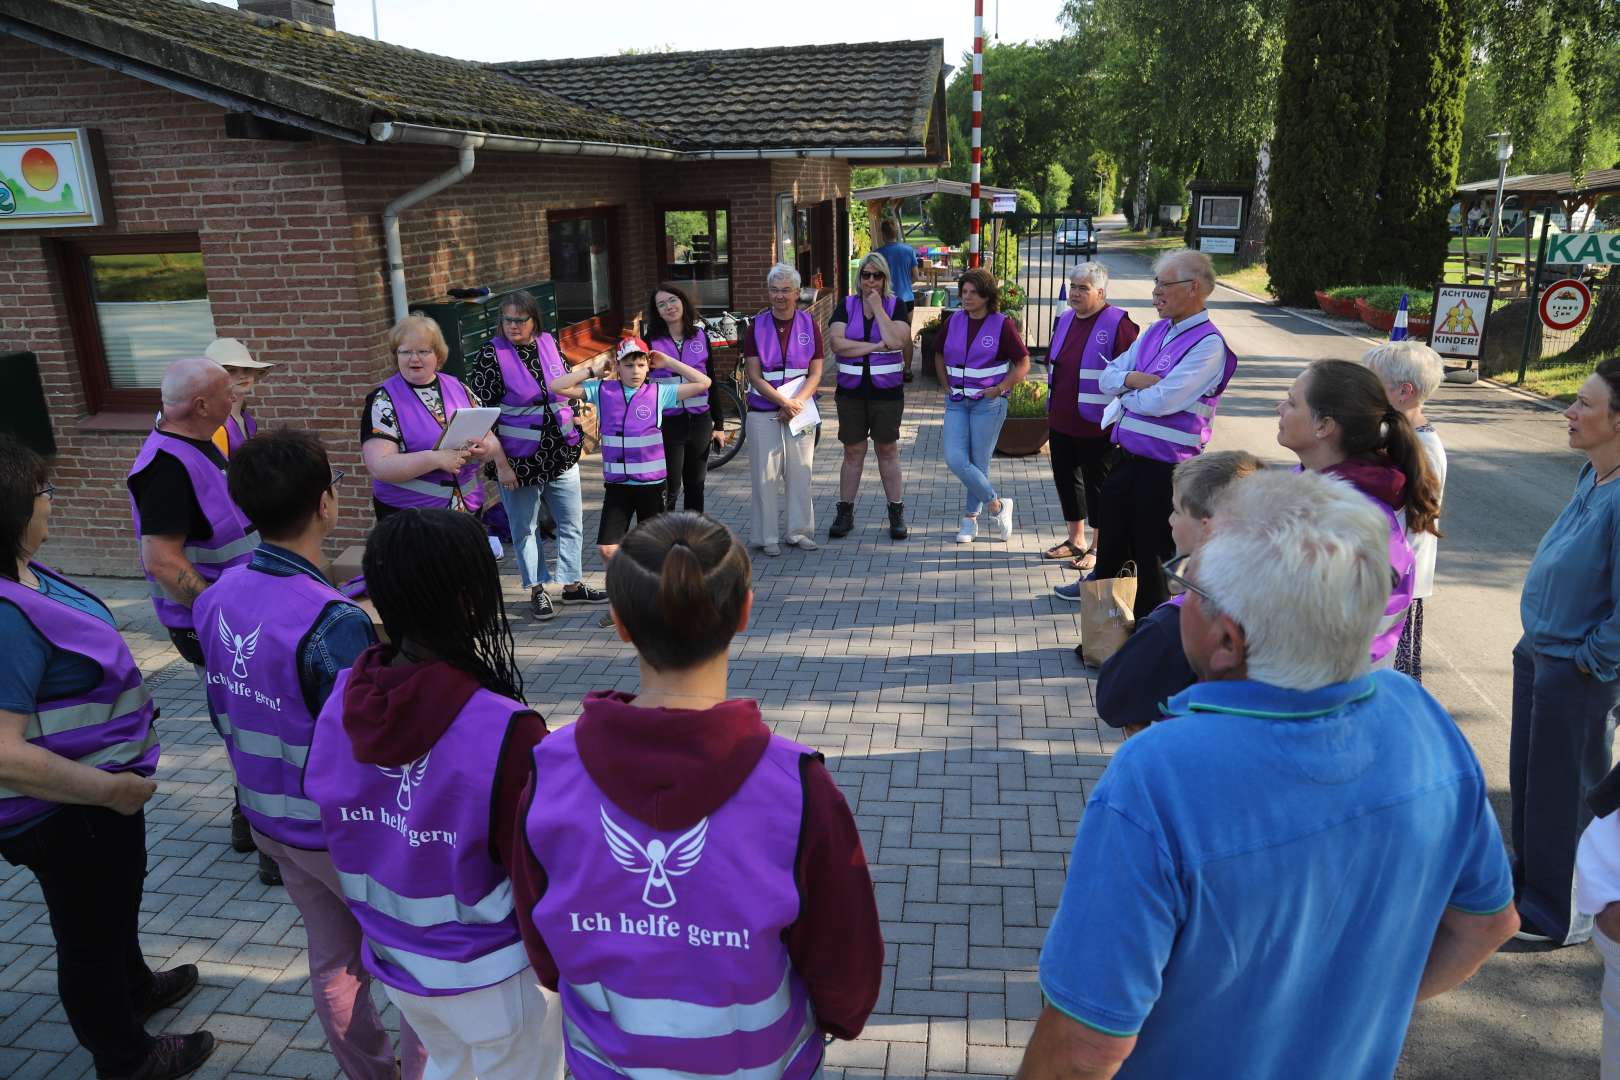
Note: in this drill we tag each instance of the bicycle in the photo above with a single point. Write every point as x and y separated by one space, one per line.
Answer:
728 396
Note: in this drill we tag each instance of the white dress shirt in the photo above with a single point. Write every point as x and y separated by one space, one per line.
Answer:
1198 373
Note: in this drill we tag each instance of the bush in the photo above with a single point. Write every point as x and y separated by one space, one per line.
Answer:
1420 301
1028 399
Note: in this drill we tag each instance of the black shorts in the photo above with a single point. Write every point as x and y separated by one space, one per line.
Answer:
621 502
862 418
903 309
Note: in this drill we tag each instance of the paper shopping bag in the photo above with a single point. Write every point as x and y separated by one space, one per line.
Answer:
1106 619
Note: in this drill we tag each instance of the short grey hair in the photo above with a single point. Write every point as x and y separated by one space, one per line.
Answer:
1407 361
1301 562
874 259
782 272
1094 274
1195 264
184 381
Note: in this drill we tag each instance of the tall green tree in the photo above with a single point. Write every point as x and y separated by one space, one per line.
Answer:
1422 134
1330 129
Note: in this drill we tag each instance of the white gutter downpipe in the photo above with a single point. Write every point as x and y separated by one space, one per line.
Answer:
390 218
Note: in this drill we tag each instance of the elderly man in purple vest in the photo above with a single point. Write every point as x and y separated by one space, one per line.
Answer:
1166 387
275 634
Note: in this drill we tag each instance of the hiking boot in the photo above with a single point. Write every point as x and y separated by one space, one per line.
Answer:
168 987
540 605
269 870
843 521
897 521
173 1056
241 832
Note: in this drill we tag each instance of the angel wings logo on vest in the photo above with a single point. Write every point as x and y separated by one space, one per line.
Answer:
241 647
409 777
655 860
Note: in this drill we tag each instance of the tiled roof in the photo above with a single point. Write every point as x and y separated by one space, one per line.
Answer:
341 82
877 94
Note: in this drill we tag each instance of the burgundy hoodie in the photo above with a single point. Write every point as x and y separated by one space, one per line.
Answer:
1375 477
669 768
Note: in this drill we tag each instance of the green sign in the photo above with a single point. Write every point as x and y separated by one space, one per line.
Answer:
1583 248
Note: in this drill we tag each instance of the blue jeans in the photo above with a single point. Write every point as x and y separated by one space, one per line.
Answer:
971 430
523 511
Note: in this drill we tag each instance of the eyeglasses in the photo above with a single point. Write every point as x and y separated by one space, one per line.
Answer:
46 492
336 476
671 302
405 354
1172 570
516 320
784 292
1160 286
871 275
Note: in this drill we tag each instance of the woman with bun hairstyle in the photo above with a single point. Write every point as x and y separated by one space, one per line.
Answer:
692 884
1338 420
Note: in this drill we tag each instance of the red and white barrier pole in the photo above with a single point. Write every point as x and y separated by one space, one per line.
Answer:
978 123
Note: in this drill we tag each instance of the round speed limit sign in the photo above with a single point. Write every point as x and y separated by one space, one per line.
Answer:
1565 304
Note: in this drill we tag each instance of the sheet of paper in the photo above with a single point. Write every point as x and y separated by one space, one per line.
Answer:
809 416
467 425
1112 412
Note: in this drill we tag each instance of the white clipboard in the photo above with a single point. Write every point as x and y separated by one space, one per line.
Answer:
809 416
466 425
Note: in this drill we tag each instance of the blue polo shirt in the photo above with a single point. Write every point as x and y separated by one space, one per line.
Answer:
1257 881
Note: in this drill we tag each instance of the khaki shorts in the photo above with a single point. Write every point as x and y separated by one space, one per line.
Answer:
862 418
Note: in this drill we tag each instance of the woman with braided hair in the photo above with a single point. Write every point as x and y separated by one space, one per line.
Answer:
418 744
1338 420
727 849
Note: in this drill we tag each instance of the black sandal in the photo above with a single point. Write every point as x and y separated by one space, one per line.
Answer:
1065 550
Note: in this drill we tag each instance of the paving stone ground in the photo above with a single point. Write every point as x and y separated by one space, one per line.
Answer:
937 678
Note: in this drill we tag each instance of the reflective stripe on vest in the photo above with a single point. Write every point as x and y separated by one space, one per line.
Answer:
236 549
581 1043
1160 431
122 752
277 805
638 468
630 442
427 911
261 743
1095 399
55 721
667 1018
437 974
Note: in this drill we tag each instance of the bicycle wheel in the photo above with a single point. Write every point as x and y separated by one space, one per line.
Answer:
727 409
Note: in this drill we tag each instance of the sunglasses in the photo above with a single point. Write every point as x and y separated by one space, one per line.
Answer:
336 476
46 492
870 275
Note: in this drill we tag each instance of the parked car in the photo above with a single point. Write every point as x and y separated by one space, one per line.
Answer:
1075 239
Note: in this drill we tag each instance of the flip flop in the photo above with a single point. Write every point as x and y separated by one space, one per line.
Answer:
1065 550
1086 561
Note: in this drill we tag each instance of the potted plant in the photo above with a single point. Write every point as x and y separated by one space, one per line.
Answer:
927 342
1377 304
1334 306
1025 430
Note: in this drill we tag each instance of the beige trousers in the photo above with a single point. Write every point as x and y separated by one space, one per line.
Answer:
773 454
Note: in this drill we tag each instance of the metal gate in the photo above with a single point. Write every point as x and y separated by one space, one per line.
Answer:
1038 260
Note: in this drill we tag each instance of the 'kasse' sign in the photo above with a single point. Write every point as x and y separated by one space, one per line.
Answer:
1569 248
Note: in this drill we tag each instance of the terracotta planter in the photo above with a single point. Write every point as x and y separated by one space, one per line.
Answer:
1419 326
1022 436
1377 318
1339 309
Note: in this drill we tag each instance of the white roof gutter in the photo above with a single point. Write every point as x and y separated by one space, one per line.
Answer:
422 135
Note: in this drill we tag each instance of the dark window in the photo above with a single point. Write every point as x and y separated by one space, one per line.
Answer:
694 251
813 244
136 304
584 267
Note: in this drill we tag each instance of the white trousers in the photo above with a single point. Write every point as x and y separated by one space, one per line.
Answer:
773 453
1610 994
509 1031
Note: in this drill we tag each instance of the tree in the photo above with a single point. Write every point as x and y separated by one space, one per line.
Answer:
1056 183
1422 134
1329 141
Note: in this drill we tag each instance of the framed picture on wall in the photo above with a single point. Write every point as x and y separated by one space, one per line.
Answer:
785 250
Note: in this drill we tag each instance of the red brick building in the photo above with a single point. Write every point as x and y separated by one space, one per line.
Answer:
246 162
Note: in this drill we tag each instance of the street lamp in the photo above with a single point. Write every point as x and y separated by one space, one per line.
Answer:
1504 151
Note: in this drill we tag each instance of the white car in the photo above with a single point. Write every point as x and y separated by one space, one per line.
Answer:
1075 239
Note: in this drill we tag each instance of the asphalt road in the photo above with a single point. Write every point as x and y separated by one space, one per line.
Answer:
1531 1012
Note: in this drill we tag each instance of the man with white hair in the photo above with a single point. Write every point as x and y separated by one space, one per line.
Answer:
1089 334
1266 883
190 531
1166 388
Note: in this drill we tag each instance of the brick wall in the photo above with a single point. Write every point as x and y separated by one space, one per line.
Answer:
292 245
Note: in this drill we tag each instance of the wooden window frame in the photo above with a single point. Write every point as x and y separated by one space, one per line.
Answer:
591 336
78 293
659 209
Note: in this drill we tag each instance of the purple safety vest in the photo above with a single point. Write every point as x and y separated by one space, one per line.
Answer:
109 726
1182 435
1404 563
772 365
235 435
1094 358
411 847
972 367
232 540
693 352
632 435
630 915
527 399
887 367
421 430
253 626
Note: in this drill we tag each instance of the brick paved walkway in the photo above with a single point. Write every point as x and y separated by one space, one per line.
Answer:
937 679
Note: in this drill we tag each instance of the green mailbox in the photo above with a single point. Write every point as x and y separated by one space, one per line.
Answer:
468 325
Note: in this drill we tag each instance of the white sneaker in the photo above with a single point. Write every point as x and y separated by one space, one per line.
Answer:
1004 520
771 549
803 543
969 529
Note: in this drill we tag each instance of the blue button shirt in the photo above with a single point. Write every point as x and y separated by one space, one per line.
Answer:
1570 606
342 632
1256 882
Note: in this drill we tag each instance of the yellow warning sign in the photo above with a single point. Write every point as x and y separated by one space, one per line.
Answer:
1459 320
1462 314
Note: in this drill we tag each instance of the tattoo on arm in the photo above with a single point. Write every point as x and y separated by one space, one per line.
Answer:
188 585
